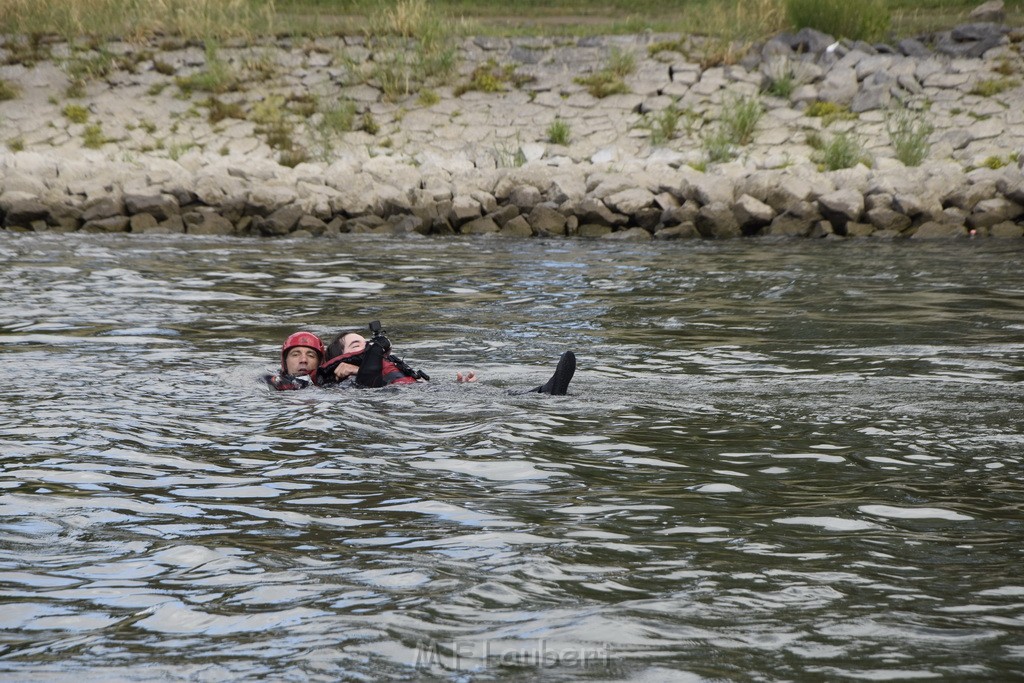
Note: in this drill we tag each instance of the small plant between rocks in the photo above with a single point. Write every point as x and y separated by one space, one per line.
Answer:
829 112
559 132
8 91
740 116
993 86
610 80
908 135
218 77
664 124
843 150
490 77
75 113
93 136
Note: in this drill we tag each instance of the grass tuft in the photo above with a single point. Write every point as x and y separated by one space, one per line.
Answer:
490 77
829 112
740 116
610 79
93 136
75 113
218 76
867 20
993 86
664 124
8 91
559 132
908 135
843 150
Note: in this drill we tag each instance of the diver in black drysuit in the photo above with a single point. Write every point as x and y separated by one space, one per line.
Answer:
376 360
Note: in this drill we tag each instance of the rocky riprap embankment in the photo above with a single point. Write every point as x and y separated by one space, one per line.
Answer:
479 163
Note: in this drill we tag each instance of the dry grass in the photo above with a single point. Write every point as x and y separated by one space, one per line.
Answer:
137 19
728 25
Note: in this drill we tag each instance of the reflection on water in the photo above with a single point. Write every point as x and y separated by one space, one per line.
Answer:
778 461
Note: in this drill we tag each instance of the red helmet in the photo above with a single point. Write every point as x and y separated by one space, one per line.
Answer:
307 339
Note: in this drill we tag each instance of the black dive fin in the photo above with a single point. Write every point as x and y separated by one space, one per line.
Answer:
559 382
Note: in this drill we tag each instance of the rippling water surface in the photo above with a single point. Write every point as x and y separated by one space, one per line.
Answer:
777 461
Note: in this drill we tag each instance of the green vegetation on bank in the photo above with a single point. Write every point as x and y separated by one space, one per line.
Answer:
732 20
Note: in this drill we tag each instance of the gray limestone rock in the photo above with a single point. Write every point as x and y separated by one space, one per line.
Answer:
629 235
884 218
841 207
1006 230
989 212
517 227
160 206
547 221
481 226
208 222
939 231
280 222
112 224
717 221
788 225
751 213
22 212
630 201
105 207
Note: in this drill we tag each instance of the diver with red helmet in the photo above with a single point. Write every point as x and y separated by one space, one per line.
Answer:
301 356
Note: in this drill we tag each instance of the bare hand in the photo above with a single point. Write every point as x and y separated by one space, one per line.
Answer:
468 377
345 370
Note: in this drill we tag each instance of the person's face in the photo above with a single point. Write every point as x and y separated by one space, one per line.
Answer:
352 342
301 360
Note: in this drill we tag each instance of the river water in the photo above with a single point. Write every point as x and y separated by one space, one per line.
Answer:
777 461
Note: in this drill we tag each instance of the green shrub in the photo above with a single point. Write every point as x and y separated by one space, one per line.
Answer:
782 85
718 146
994 86
740 116
854 19
269 111
663 126
843 150
7 91
829 112
785 76
621 63
89 66
217 77
994 162
488 77
93 137
338 117
610 79
368 124
559 132
603 84
428 97
75 113
908 135
218 110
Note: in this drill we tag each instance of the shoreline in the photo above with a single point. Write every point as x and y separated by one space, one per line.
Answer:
170 159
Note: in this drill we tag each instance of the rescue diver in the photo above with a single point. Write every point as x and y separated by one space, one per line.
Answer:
306 362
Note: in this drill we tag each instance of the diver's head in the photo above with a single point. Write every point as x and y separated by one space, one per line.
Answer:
346 344
301 354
